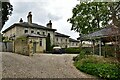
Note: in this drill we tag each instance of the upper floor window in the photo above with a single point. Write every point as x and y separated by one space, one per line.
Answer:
56 39
38 33
72 44
26 31
32 31
49 34
66 40
40 42
43 33
76 44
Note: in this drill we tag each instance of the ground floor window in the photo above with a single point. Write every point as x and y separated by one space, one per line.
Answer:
40 42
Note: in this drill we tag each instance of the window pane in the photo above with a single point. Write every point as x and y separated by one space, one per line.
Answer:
43 33
38 32
40 42
26 31
32 31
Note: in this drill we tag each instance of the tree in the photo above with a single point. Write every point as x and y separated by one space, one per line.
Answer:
48 43
115 13
6 11
91 16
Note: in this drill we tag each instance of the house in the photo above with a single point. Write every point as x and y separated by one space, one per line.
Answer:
35 36
74 43
22 28
61 40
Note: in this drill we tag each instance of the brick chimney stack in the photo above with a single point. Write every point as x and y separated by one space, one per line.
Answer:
49 25
29 17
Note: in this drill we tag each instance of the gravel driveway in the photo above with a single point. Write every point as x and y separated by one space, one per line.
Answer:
39 66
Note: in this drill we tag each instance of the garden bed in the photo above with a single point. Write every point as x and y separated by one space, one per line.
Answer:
98 66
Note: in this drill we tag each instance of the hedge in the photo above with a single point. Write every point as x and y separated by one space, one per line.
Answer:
72 50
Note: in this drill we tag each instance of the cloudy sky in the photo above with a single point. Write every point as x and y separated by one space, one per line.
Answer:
44 10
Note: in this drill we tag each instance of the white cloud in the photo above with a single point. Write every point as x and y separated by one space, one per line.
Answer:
44 10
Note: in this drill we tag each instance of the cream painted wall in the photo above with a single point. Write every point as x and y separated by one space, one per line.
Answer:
38 47
62 41
74 44
10 32
19 31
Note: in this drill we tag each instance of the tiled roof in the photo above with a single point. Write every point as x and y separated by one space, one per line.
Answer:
27 25
61 35
110 30
73 40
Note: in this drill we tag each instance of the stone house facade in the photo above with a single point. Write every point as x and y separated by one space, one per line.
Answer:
61 40
29 44
73 43
36 33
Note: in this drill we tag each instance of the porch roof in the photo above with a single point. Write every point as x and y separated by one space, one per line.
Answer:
106 34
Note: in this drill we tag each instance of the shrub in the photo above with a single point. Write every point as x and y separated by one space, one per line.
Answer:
101 70
72 50
80 56
98 68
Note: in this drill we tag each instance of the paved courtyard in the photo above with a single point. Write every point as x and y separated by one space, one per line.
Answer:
39 66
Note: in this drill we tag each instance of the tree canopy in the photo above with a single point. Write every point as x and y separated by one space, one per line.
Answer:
6 11
91 16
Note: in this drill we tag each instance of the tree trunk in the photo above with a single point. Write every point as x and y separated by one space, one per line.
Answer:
116 22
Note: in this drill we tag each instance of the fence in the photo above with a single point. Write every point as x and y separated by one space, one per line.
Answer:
1 46
106 50
6 47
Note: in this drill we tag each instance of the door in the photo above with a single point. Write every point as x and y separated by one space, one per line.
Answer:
34 47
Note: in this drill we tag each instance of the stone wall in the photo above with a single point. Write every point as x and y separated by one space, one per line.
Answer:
62 41
25 46
39 48
21 47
